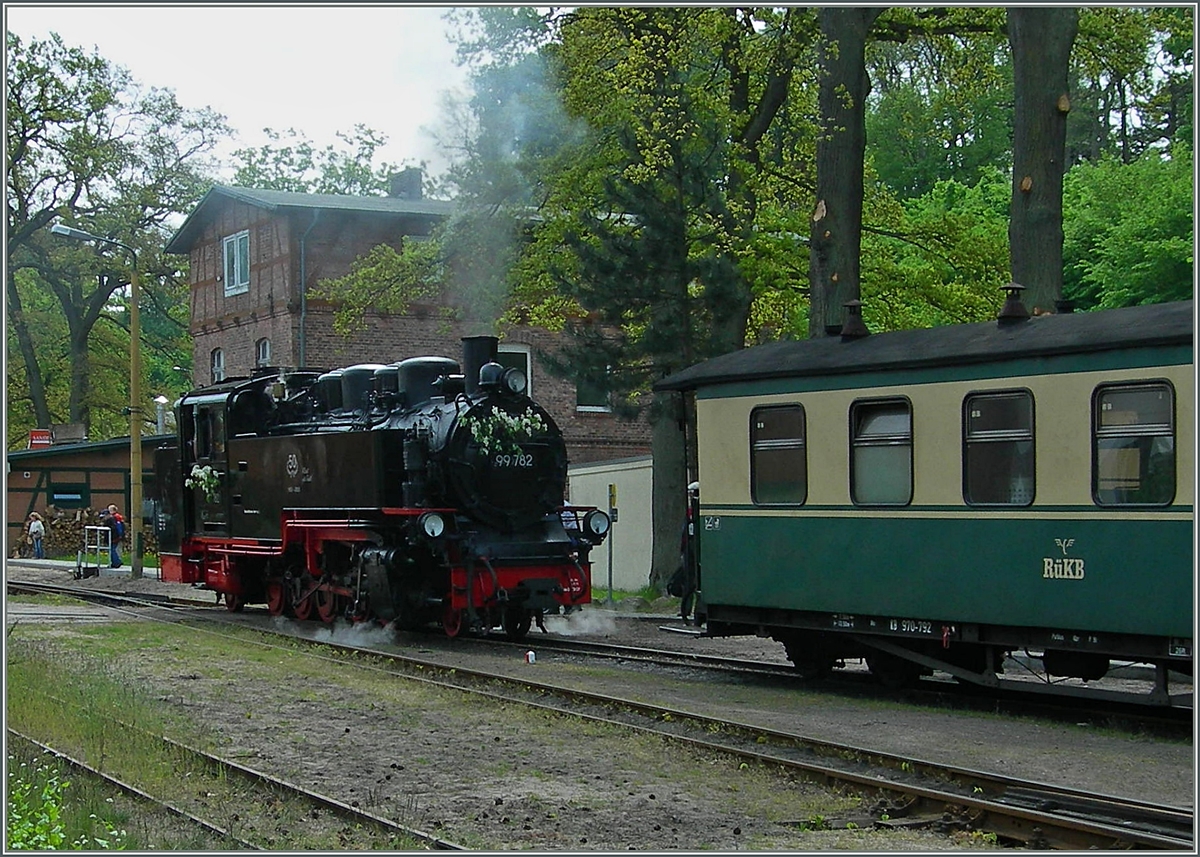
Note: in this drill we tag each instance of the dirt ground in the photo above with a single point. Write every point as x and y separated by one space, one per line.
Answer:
494 777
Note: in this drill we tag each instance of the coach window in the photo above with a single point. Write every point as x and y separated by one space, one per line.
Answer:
778 460
881 452
998 449
1133 445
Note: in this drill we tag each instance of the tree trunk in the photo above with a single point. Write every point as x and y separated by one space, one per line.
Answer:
33 371
1041 40
836 230
669 493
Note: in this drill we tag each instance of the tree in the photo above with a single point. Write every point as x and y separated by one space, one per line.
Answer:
290 162
647 140
1129 230
1041 39
88 145
835 238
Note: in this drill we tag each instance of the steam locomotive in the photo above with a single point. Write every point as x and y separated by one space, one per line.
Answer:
409 493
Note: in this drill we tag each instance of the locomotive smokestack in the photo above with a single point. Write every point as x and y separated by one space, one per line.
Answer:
477 351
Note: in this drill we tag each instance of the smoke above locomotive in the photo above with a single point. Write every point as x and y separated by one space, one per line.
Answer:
398 491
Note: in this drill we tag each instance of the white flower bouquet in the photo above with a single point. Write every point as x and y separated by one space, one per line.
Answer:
206 479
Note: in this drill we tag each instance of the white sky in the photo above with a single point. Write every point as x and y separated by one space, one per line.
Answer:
317 69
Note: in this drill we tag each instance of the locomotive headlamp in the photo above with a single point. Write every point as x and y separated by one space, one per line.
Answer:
596 523
432 524
515 380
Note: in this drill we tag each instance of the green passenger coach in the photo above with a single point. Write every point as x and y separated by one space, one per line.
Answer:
943 498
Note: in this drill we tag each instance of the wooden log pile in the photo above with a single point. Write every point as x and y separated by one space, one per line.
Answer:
65 533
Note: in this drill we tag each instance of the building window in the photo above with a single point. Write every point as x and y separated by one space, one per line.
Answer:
70 495
517 357
998 449
262 352
778 458
1133 445
218 365
592 397
881 452
237 263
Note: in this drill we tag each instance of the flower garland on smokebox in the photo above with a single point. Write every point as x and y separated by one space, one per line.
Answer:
499 431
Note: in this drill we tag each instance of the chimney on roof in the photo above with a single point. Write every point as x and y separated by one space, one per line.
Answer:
855 327
406 184
1013 311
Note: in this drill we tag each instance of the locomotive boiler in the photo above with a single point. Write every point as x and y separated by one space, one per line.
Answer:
407 493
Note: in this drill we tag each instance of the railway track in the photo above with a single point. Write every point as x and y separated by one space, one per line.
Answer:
264 790
902 791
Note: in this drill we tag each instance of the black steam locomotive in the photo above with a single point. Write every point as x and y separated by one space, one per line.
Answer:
409 493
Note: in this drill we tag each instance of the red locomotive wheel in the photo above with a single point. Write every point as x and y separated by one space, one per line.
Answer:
327 601
275 597
452 621
234 603
303 607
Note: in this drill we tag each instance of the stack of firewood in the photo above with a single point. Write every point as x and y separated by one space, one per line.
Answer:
64 532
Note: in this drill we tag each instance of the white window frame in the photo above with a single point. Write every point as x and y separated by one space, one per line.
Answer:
262 352
527 352
216 362
237 263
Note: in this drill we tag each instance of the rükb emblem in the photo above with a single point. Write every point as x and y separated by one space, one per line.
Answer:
1066 567
293 465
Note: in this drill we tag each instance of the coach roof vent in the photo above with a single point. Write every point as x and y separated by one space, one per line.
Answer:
1013 310
855 327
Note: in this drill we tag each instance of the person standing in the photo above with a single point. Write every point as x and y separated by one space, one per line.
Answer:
37 532
111 518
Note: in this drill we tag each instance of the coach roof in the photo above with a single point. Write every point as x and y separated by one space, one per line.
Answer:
957 344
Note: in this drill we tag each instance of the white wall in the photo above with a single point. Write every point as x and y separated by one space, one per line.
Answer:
631 535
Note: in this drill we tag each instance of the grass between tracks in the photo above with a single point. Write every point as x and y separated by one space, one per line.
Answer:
72 694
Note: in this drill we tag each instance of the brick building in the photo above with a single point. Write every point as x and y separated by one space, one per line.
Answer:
256 256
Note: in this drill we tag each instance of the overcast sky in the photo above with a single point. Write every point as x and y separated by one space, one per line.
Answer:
318 69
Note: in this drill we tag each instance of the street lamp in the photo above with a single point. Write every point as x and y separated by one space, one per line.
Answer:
161 403
135 389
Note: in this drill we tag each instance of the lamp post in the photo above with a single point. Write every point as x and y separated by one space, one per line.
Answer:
161 403
135 389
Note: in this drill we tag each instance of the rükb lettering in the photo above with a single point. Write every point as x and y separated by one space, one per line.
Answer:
1067 569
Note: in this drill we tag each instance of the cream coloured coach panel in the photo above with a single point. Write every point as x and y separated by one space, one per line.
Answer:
1062 431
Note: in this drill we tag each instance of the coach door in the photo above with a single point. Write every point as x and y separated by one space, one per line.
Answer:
206 466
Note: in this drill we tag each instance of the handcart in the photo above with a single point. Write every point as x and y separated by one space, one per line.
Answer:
96 552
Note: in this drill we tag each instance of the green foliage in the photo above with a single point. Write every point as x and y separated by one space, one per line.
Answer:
941 109
290 162
39 816
942 259
88 145
1129 231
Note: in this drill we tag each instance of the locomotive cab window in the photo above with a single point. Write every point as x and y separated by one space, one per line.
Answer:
1133 445
881 452
210 433
778 460
998 449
